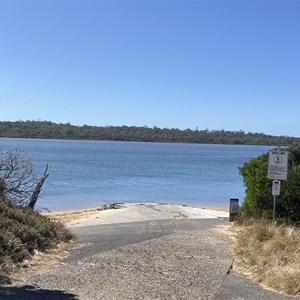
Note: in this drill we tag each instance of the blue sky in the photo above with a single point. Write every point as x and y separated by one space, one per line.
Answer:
178 64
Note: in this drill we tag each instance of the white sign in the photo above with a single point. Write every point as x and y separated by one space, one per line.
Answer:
278 165
276 188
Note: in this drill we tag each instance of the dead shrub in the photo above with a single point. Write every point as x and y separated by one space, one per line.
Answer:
270 253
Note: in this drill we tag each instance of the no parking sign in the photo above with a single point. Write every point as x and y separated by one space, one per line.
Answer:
278 165
277 170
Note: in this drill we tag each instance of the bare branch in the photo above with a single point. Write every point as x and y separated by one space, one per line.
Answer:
18 172
37 190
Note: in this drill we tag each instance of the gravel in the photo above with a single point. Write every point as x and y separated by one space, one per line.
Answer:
182 265
158 259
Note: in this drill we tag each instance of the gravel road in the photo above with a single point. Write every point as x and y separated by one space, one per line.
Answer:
161 259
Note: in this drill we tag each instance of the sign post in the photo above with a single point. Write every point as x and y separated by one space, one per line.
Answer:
277 170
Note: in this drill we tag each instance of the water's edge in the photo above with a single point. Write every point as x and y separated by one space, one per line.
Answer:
86 174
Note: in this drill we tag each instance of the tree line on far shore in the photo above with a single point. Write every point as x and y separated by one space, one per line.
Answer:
50 130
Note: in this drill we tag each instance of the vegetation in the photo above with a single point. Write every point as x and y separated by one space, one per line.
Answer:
18 180
258 202
22 232
267 251
270 254
49 130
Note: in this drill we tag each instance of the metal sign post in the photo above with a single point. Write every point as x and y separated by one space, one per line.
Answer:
277 170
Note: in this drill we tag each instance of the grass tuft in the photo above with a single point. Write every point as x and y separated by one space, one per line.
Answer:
270 253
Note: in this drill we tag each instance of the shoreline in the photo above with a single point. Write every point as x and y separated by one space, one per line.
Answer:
133 212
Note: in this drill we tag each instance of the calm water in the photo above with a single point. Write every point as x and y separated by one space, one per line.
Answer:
91 173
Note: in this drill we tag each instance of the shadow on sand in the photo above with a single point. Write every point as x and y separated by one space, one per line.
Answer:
29 292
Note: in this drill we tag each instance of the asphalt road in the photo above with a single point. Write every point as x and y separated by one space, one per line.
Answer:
161 259
110 236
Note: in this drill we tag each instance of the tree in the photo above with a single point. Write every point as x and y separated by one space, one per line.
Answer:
18 179
37 190
48 130
258 202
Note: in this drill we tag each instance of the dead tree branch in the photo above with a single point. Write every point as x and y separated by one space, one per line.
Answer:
36 192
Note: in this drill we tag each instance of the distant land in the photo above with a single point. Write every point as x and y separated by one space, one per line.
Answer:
50 130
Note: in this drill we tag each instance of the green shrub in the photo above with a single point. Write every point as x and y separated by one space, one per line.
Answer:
258 202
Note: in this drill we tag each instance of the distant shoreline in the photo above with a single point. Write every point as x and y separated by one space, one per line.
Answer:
50 130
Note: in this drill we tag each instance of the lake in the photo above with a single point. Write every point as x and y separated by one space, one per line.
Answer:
92 173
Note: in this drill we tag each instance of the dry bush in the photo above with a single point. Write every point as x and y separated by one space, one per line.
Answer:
270 254
22 232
